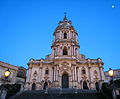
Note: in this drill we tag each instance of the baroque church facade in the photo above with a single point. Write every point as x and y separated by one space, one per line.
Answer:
65 67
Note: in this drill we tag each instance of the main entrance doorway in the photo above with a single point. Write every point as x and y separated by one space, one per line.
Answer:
85 85
65 81
45 86
33 86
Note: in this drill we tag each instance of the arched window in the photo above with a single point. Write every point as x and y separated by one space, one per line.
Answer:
21 74
46 71
83 71
95 73
65 35
65 51
35 74
54 51
76 51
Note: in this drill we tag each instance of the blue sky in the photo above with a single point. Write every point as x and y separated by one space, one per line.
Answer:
27 26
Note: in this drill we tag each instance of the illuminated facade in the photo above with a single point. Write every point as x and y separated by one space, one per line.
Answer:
65 67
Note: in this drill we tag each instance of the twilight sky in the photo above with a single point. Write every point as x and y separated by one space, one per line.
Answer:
27 26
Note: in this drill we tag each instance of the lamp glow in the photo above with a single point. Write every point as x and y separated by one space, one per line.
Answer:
110 72
7 73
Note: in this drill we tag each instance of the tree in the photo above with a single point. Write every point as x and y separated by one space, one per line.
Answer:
12 89
107 89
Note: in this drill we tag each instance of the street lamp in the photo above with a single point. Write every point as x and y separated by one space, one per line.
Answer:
111 72
7 73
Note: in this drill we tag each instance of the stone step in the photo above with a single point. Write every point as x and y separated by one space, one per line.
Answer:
60 94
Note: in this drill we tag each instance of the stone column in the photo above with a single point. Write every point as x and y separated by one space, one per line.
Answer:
101 75
75 73
78 74
100 72
73 35
57 50
41 73
73 50
53 73
53 51
89 72
73 76
30 72
69 34
28 77
57 73
40 76
60 50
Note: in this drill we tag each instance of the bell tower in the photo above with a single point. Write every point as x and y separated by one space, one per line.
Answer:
65 43
65 67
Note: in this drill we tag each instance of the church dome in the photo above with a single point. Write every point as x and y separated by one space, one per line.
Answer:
65 24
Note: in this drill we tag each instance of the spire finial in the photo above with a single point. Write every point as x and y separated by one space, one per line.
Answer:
65 18
65 13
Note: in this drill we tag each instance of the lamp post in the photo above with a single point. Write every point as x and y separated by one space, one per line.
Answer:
111 72
6 75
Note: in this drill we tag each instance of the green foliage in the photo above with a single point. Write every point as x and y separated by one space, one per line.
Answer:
107 89
12 89
117 83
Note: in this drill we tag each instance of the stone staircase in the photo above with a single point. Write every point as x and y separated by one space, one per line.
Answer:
57 93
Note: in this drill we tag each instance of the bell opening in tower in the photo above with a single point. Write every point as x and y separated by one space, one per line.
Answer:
65 51
65 35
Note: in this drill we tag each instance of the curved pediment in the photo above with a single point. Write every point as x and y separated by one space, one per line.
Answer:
65 63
